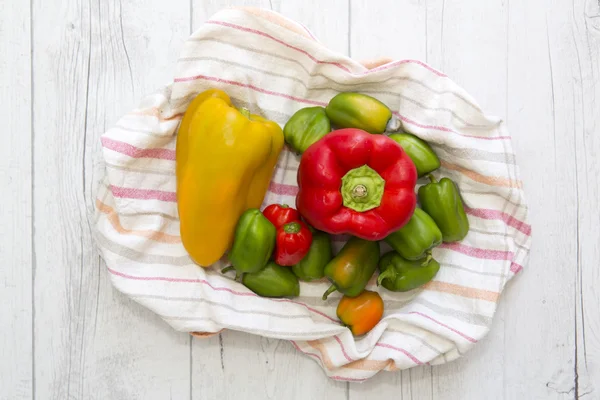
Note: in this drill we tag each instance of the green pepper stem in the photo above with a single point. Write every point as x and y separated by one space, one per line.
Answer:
393 125
384 275
427 260
292 227
362 189
431 178
331 289
245 112
227 269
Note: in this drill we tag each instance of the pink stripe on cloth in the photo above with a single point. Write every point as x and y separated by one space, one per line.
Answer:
257 32
215 288
343 349
495 214
137 152
320 103
477 252
515 268
342 67
400 62
249 86
283 189
143 194
305 352
469 338
342 378
406 353
445 129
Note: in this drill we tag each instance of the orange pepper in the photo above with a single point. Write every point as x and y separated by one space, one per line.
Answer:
360 313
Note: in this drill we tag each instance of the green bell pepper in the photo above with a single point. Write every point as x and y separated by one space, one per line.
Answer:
419 151
306 126
312 266
417 237
356 110
272 281
253 242
442 201
400 275
350 270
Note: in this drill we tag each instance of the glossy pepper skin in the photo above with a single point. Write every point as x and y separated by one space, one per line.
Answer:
292 243
272 281
360 313
312 266
442 201
357 110
419 151
306 126
350 270
356 183
224 161
401 275
281 214
417 237
253 242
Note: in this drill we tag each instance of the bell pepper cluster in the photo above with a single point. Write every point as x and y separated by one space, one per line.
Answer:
358 175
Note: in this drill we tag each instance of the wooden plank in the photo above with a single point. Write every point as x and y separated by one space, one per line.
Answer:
539 318
231 362
394 29
327 21
16 262
92 62
586 35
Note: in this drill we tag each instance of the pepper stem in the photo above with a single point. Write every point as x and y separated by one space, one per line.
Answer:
292 227
431 178
362 189
384 275
245 112
427 260
238 274
227 269
393 125
331 289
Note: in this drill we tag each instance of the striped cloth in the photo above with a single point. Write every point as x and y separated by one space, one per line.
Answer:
274 66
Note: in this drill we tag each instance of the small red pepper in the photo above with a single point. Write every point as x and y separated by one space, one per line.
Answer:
292 243
356 183
281 214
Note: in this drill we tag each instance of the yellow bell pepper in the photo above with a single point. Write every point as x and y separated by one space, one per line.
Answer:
225 159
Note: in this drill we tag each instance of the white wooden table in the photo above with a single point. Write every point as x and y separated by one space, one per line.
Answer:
69 69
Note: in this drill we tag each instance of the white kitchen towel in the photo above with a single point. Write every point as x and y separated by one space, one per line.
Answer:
274 66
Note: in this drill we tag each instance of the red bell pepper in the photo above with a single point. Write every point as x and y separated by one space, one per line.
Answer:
292 243
281 214
353 182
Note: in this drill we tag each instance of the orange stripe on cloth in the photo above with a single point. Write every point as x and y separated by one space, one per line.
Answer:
363 364
488 180
113 217
463 291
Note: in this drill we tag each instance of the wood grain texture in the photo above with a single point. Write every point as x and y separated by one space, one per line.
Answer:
92 63
16 264
536 64
586 38
540 117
